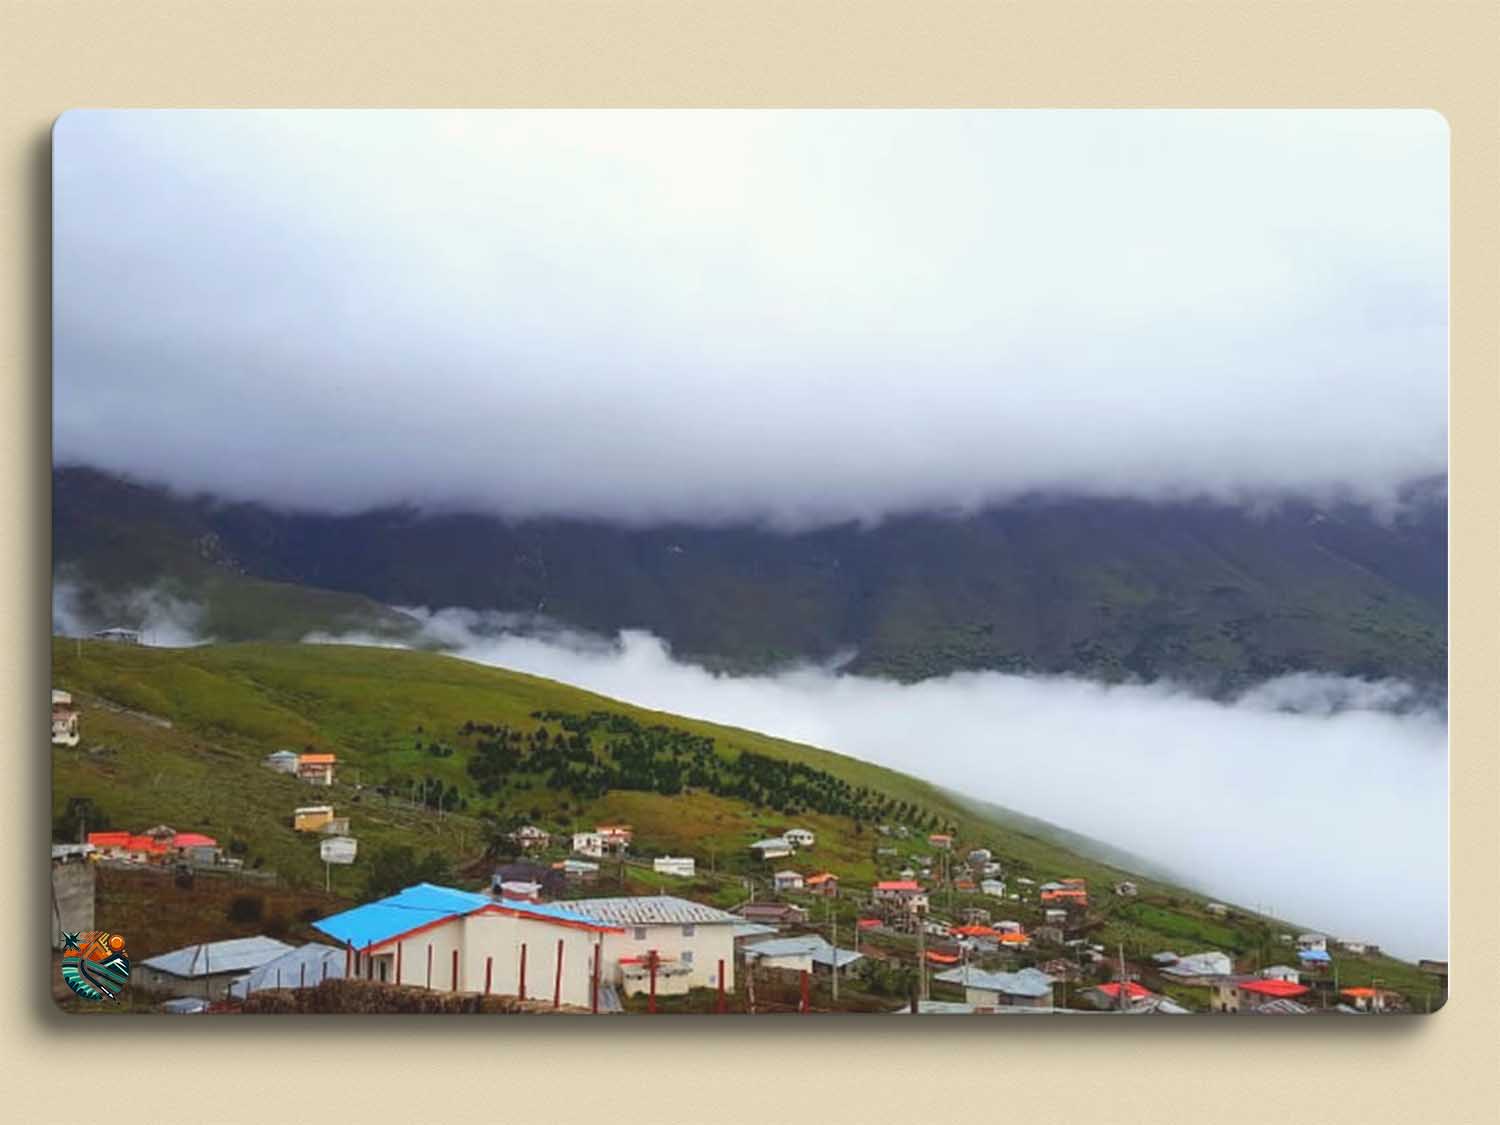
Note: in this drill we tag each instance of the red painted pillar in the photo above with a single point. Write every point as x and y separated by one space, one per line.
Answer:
721 986
804 1005
557 981
455 970
523 971
489 965
348 960
598 956
429 964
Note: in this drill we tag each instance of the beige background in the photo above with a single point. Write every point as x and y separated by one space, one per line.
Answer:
474 53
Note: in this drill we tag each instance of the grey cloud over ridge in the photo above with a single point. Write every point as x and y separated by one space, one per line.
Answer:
1320 799
728 315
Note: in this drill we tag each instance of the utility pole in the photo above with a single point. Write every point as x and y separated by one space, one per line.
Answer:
833 925
1124 992
921 955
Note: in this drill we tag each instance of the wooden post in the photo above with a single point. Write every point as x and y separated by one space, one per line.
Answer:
557 980
369 963
302 975
489 965
429 965
803 1005
399 944
651 964
721 986
523 971
348 960
455 970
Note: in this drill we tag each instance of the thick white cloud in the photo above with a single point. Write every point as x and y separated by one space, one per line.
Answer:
783 315
1321 800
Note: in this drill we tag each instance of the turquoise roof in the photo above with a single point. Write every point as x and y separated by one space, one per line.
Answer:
422 905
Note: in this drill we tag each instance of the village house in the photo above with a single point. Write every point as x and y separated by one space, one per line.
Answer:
551 880
1055 916
1359 948
905 893
677 930
64 719
316 769
1199 968
615 837
990 870
206 970
1314 942
311 818
975 916
787 881
941 840
156 845
967 886
282 761
684 867
799 837
306 966
1049 935
977 938
774 847
456 941
987 991
978 857
808 953
1281 972
1217 909
590 844
577 870
823 883
117 635
1367 999
1248 993
1311 960
772 913
520 890
1138 999
992 887
529 837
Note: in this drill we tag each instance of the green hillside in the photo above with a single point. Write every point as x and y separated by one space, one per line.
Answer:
442 756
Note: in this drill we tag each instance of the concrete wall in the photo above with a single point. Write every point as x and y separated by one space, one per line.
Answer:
72 899
707 945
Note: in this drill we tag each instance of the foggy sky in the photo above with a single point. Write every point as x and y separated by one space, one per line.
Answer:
787 316
1308 797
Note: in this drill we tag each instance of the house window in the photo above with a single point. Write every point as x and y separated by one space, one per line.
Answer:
688 930
382 970
686 956
640 933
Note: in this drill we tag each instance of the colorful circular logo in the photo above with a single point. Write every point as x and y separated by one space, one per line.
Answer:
94 964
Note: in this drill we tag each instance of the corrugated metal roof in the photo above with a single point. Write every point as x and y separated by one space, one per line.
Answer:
235 955
752 929
650 910
422 905
307 964
1027 982
1212 964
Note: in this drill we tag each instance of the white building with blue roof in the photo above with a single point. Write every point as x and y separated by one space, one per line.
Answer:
459 941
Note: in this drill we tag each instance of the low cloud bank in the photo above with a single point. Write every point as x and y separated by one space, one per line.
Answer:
1321 799
163 619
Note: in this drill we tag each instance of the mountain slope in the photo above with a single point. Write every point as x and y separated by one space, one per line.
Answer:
177 737
1109 589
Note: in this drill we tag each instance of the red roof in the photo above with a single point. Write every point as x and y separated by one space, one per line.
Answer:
193 840
942 958
1133 990
1278 988
109 839
317 759
975 931
820 877
147 844
899 885
868 923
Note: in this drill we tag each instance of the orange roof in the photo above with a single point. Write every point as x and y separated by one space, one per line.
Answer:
109 839
942 958
1014 936
899 885
1074 882
820 877
316 759
975 931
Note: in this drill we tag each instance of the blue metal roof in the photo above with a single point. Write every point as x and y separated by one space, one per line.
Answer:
1314 955
422 905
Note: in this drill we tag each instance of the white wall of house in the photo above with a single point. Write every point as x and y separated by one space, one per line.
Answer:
703 947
